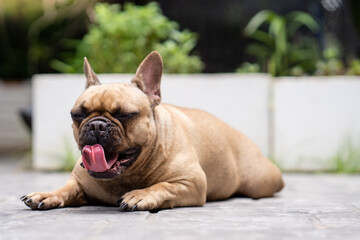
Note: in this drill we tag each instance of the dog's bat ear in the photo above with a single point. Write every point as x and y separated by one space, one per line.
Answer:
91 78
148 77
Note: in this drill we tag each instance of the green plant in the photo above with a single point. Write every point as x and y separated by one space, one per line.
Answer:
15 20
279 49
354 67
247 67
347 159
118 40
69 157
32 32
331 63
329 67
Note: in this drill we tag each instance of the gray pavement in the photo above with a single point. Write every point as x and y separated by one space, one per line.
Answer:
312 206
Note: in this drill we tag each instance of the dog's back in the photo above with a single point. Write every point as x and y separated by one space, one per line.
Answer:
232 163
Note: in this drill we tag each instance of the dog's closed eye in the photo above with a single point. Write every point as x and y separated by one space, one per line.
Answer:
125 116
77 117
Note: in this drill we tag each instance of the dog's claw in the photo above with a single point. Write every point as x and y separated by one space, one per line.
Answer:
23 198
123 206
41 205
82 165
134 208
28 200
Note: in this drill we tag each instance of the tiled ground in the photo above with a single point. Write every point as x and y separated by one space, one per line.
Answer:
320 206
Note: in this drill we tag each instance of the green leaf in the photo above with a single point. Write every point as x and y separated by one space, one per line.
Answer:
61 66
264 37
297 19
259 19
262 52
277 29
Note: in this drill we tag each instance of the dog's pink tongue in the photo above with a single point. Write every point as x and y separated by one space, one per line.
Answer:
94 158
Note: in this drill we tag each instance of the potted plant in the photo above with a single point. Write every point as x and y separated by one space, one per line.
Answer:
312 117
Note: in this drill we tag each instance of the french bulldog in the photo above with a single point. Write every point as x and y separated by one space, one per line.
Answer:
141 154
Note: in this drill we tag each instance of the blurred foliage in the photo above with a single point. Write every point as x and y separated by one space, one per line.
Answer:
118 40
332 62
347 158
280 49
15 20
354 67
32 33
248 67
70 156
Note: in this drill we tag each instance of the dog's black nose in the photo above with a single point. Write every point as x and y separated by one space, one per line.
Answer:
98 127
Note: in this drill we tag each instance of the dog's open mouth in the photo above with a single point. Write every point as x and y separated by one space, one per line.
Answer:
101 164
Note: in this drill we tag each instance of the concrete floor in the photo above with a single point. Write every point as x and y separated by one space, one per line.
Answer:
319 206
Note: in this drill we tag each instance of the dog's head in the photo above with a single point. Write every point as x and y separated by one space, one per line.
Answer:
112 123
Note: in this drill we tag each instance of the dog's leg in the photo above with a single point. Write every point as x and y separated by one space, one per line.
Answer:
166 195
69 195
263 179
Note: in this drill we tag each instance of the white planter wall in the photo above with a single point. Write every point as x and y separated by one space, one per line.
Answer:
14 135
240 100
313 118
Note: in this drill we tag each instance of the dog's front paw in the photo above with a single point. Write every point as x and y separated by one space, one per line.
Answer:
138 200
42 201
